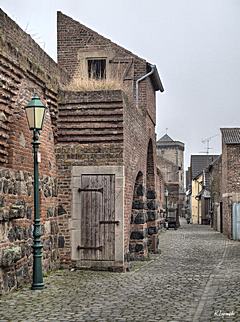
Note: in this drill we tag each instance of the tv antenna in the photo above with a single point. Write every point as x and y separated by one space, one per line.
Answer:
207 142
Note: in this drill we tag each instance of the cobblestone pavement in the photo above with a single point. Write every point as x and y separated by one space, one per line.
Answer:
195 278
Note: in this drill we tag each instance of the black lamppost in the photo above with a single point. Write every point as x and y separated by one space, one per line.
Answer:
166 201
35 111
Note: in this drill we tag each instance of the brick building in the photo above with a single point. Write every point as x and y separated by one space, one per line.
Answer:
224 185
113 131
99 184
230 179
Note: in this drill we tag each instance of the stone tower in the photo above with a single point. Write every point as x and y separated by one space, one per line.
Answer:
172 151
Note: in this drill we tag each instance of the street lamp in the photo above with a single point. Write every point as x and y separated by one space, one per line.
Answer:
166 201
35 111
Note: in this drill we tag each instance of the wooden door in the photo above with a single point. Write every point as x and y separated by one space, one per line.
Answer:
221 217
97 215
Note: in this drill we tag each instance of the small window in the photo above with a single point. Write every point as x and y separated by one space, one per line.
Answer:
97 68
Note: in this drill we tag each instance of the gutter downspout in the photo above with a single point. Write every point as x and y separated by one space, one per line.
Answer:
141 79
204 179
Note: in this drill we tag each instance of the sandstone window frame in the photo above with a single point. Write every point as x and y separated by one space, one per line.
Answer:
93 54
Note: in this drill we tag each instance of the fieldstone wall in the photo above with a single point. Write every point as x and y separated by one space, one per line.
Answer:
16 217
138 238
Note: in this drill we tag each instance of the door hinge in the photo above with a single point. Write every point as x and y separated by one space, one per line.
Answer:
116 222
91 190
90 247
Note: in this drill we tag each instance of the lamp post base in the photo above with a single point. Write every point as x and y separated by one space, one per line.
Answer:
38 286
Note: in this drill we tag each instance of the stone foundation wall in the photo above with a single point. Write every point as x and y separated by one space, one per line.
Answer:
16 218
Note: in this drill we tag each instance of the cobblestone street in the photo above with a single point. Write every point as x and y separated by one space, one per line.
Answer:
195 278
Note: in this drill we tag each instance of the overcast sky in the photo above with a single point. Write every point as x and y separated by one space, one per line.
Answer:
194 43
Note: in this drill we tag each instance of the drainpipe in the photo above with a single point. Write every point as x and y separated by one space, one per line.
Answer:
204 179
141 79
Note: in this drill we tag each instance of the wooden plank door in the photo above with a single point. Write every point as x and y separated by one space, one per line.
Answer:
221 217
97 193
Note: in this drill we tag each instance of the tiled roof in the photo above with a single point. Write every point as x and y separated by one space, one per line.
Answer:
200 162
231 135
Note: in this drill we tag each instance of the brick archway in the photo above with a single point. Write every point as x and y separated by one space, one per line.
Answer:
151 202
138 238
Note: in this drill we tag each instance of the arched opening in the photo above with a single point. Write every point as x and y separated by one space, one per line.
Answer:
152 205
150 169
138 227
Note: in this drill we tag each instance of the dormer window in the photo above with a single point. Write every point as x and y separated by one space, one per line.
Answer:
97 68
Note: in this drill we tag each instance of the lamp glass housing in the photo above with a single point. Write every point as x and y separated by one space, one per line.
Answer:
166 193
35 111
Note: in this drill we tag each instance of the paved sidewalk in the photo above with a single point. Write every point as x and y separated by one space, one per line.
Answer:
195 278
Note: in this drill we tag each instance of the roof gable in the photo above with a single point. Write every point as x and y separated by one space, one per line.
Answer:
74 37
85 35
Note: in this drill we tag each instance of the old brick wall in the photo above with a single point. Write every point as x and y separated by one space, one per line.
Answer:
25 69
91 128
90 132
168 169
160 191
215 177
230 183
139 132
160 188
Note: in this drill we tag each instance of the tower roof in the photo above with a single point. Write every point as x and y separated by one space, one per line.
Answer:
165 138
166 142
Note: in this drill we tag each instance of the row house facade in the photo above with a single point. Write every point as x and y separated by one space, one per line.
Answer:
198 194
214 195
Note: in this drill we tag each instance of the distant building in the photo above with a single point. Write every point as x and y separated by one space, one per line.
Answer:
188 178
200 203
170 161
172 151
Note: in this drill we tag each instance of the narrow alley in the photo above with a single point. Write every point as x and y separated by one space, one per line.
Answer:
195 278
